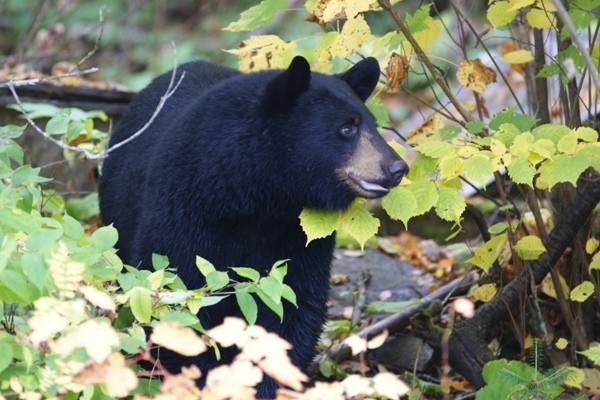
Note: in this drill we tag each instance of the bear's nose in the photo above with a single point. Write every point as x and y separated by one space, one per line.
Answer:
397 170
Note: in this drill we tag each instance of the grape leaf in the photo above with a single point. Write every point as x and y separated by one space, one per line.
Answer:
450 204
400 204
521 171
358 222
319 223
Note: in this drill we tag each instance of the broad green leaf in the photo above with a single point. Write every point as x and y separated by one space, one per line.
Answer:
563 168
83 208
42 239
288 294
140 303
257 16
523 122
72 227
208 301
450 166
277 308
449 132
568 143
248 305
551 132
521 171
104 238
474 127
57 125
582 292
26 174
498 228
319 223
529 247
358 222
216 280
16 288
435 149
35 269
586 134
426 195
507 133
450 204
159 261
248 273
6 355
397 147
11 131
489 252
478 168
204 266
593 353
379 110
499 15
400 204
421 167
271 288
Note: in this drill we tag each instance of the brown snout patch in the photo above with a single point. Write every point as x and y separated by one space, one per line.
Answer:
363 172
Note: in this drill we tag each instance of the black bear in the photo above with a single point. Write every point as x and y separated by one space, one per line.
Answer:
227 167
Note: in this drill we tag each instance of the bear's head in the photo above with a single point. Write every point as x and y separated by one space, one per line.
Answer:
332 146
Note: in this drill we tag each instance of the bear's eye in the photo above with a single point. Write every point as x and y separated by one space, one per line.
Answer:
348 130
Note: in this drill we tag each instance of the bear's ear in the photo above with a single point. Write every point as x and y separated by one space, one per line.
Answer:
363 77
281 91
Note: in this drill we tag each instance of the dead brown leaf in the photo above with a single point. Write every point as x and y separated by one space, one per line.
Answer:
396 72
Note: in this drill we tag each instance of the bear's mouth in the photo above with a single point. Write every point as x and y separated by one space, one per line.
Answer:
371 189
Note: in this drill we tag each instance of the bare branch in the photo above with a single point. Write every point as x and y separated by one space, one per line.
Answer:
35 81
97 43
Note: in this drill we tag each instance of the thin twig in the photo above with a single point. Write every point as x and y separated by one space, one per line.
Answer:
35 81
562 14
97 43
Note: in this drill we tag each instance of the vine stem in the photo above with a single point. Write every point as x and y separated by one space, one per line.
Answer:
562 14
385 4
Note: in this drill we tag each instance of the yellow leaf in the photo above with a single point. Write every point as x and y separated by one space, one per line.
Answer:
180 339
591 245
489 252
561 343
264 52
98 298
540 19
547 287
582 292
344 9
516 5
427 131
497 147
529 247
568 143
575 377
354 33
545 5
517 57
450 166
500 14
389 385
426 37
485 292
473 74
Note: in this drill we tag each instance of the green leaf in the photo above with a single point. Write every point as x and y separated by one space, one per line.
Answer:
277 308
475 127
204 266
247 273
72 227
58 124
499 15
27 174
35 269
582 292
435 149
288 293
159 261
400 204
568 143
83 208
551 132
449 132
358 222
450 166
16 284
507 133
522 121
489 252
271 288
257 16
6 355
498 228
379 111
319 223
450 205
42 239
140 302
418 21
426 195
521 171
421 167
529 247
478 168
216 280
564 168
247 305
104 238
11 131
593 353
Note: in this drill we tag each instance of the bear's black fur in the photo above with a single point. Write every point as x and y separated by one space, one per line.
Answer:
227 167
